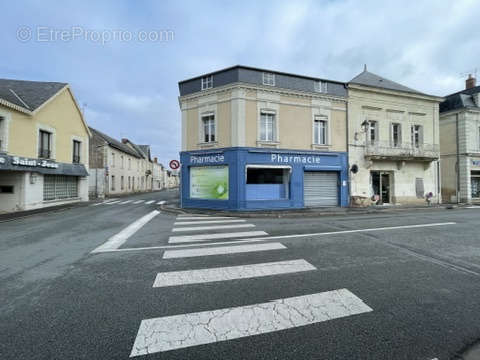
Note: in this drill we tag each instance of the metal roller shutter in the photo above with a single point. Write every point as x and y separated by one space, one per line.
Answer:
320 188
57 187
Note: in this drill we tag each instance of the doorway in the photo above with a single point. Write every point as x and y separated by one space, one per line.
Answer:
381 186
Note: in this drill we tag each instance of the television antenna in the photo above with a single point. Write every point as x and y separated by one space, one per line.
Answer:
472 72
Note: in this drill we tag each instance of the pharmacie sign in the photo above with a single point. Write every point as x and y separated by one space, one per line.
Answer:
295 159
207 159
18 161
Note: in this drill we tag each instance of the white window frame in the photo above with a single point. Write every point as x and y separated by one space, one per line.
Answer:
268 78
392 135
418 131
207 82
4 125
53 150
273 127
478 138
320 86
316 131
375 132
202 134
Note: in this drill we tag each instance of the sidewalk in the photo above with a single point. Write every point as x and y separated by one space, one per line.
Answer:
174 208
25 213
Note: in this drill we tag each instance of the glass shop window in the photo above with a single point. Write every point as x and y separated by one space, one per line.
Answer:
268 183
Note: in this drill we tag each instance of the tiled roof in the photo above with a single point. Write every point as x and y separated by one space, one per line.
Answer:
29 95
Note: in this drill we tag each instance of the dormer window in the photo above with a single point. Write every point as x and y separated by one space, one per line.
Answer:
320 86
268 79
207 82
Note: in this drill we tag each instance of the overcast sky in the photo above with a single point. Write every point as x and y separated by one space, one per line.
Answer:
129 87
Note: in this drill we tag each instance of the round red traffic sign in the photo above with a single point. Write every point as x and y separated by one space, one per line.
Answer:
174 164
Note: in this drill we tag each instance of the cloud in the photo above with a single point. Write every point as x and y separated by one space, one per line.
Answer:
130 88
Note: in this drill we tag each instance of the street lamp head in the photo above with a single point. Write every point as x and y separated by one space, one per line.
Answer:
364 125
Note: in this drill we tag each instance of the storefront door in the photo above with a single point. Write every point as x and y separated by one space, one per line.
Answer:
381 186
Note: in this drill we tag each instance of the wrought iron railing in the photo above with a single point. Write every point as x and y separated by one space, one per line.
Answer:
44 153
402 150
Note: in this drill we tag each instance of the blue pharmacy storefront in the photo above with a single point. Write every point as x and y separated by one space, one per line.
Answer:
242 178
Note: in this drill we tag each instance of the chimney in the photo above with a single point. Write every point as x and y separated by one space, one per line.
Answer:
124 141
471 82
155 160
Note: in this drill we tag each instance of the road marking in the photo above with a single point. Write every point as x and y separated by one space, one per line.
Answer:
221 250
112 202
117 240
206 327
208 222
101 203
161 202
126 202
149 202
139 201
212 227
175 278
204 218
204 237
472 207
273 238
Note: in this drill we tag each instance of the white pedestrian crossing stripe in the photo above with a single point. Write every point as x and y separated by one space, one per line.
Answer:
212 227
206 237
221 250
186 330
131 202
182 218
175 278
208 222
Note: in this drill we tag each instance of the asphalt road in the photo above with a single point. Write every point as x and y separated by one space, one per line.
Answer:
415 290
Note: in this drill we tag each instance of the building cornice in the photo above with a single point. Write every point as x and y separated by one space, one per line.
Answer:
268 89
395 93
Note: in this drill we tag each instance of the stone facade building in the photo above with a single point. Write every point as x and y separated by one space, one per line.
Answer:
393 142
460 144
261 139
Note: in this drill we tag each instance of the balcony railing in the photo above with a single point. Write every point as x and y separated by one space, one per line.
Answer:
406 151
44 153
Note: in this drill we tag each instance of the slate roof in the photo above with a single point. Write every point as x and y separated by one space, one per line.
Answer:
460 100
370 79
115 143
29 95
146 150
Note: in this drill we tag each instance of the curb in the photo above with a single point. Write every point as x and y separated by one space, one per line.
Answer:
299 213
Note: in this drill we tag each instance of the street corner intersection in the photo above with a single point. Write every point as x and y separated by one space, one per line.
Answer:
134 281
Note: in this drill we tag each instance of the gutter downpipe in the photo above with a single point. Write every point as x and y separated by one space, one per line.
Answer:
348 151
457 178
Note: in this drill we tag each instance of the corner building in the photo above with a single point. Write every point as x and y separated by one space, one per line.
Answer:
262 139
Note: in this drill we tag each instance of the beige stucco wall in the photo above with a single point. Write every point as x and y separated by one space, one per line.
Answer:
387 108
237 112
59 115
467 144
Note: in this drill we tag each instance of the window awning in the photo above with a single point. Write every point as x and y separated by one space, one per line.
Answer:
258 166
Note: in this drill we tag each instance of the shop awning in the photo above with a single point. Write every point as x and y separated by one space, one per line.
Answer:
258 166
16 163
